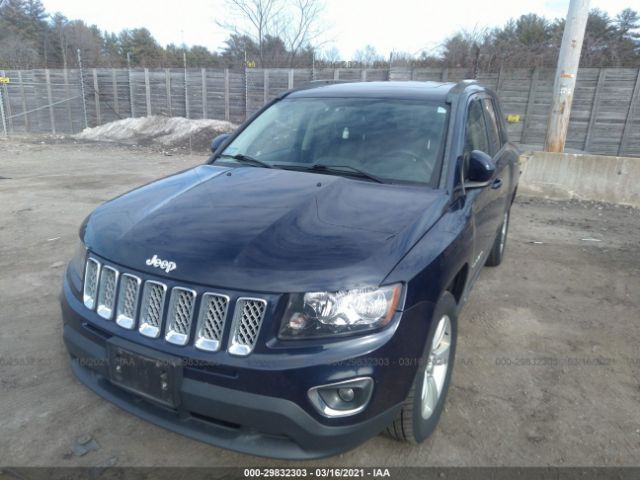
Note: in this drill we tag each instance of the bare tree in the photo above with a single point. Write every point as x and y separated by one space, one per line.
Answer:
295 22
254 19
368 56
330 56
302 26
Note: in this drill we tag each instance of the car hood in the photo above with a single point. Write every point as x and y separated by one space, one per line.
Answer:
265 230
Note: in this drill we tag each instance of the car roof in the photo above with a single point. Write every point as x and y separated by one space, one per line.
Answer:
412 90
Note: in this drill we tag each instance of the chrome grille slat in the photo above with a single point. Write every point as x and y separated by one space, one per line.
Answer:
153 297
107 292
180 315
247 320
210 327
128 301
90 288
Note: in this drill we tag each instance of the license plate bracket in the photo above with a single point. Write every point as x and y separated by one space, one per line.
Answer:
145 372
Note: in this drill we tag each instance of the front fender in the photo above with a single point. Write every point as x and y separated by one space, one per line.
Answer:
434 261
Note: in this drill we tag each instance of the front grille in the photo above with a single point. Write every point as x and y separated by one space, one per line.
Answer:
247 321
107 292
152 308
180 315
141 304
213 312
91 273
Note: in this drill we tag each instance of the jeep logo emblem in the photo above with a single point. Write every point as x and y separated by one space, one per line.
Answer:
165 265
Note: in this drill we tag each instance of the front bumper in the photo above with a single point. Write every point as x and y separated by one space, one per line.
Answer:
260 411
241 421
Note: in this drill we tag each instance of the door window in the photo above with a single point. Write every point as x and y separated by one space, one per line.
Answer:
476 130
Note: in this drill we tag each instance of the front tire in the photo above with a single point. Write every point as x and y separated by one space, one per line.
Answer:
497 251
423 406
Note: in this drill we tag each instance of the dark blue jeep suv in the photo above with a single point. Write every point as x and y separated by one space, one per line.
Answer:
299 292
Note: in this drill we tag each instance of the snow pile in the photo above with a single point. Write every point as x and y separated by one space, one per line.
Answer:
163 131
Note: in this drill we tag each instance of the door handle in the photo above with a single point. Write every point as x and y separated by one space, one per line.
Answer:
497 183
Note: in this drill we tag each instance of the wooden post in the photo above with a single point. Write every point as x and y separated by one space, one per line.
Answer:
5 92
167 82
147 91
291 72
4 121
265 85
246 86
227 113
68 95
130 85
500 81
52 118
445 75
204 92
84 96
363 75
602 74
530 102
336 74
566 73
186 87
96 96
632 108
114 86
24 102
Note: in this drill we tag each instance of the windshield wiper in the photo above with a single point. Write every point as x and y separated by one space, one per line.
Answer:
353 171
242 158
334 169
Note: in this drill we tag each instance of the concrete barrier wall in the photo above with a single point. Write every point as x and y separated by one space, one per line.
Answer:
581 176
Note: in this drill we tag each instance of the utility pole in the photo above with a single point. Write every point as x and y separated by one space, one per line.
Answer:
565 80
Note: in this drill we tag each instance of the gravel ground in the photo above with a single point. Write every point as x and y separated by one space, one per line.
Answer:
547 373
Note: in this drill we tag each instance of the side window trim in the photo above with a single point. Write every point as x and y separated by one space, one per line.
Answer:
488 121
500 119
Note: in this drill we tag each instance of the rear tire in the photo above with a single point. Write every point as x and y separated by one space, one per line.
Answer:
497 251
423 406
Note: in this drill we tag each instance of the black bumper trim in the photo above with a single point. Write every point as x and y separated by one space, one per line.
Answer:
241 421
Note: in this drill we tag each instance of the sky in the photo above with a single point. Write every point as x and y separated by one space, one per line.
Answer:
399 25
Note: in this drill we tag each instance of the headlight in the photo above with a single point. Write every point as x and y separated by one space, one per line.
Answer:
78 260
321 314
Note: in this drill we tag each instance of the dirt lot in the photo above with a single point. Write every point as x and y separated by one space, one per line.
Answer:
548 367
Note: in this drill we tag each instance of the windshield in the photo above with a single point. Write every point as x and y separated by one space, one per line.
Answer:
388 139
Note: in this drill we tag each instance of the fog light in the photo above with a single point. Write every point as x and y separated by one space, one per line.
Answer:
342 398
346 394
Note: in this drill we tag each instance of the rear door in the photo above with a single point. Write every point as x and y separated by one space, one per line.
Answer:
501 157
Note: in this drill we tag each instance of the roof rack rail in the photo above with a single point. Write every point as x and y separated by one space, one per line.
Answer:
329 81
313 84
463 84
459 87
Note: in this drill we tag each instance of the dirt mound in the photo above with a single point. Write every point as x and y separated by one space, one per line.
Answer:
169 132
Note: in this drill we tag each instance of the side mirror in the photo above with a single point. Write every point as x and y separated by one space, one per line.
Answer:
219 140
481 170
